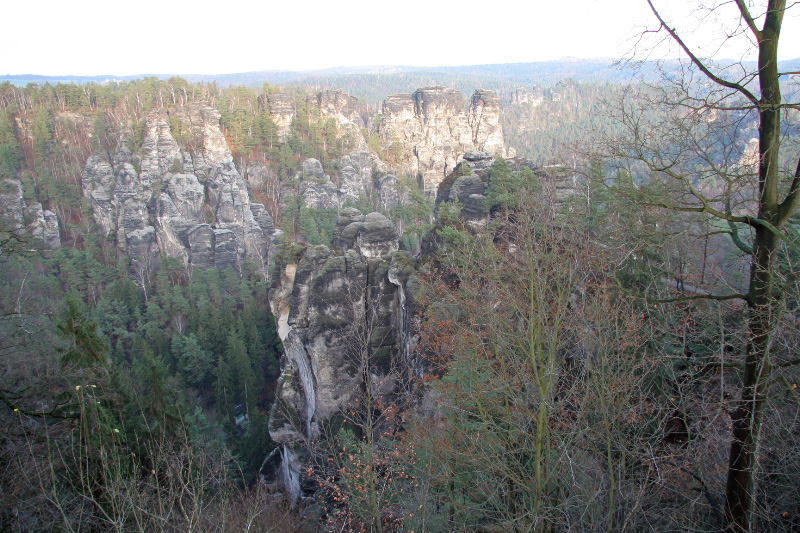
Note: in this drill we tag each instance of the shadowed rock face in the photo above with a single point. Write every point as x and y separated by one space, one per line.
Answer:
431 125
22 217
334 307
356 171
190 203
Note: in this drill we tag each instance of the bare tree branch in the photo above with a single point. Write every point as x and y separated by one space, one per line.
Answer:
748 19
698 63
790 203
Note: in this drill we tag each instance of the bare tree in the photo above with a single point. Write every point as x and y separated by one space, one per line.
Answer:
692 162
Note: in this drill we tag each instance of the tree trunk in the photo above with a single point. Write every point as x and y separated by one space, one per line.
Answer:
749 413
763 297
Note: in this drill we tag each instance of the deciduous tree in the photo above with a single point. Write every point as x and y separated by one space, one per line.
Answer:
691 163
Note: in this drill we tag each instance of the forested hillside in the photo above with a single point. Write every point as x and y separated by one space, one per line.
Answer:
493 298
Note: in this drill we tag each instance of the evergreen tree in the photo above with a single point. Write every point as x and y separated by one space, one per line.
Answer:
85 347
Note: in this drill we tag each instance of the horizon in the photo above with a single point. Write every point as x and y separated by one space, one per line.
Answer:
246 38
316 70
347 69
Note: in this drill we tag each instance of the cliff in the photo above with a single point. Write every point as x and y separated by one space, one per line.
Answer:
433 129
343 318
190 202
357 173
27 217
328 104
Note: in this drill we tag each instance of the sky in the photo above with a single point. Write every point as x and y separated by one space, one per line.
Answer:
107 37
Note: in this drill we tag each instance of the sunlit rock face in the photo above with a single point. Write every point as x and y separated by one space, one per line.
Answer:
484 121
281 110
339 309
186 202
431 124
533 97
338 105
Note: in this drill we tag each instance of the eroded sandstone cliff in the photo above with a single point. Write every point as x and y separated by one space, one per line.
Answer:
25 217
187 202
435 132
328 104
342 315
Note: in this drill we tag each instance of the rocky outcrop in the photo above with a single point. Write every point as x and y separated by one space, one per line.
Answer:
25 217
389 192
431 125
469 182
331 104
484 120
339 310
320 195
281 109
186 202
357 174
533 97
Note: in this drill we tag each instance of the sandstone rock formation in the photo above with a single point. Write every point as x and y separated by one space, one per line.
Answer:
431 125
23 217
190 202
484 120
533 97
338 309
331 104
355 176
281 109
469 182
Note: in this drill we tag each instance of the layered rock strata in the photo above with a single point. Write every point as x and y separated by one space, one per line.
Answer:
340 310
358 174
190 203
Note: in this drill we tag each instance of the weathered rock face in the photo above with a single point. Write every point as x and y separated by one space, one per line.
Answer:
337 104
534 97
389 192
484 120
331 104
188 203
470 181
281 109
356 171
320 194
337 309
27 218
431 125
355 177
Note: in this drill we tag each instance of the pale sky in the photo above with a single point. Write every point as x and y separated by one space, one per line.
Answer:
94 37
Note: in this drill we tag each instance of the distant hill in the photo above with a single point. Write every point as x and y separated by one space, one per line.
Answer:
375 82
